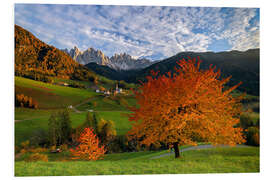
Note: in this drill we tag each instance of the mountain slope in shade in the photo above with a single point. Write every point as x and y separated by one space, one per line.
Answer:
118 61
35 58
242 66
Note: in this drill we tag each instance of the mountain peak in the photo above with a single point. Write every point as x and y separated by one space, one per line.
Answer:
122 61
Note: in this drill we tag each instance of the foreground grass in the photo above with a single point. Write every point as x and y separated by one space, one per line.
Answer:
217 160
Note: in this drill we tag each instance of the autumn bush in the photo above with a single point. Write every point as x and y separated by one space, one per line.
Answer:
37 157
89 147
252 136
24 146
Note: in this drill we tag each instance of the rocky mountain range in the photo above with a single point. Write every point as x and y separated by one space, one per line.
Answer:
117 62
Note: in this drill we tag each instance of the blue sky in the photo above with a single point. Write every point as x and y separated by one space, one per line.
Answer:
155 32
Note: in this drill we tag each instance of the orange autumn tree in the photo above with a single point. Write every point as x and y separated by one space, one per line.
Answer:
89 147
191 102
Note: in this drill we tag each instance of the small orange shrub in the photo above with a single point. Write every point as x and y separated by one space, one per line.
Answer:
89 147
23 151
37 157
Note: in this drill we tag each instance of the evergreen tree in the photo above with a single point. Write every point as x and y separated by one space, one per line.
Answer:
95 122
89 121
53 130
65 126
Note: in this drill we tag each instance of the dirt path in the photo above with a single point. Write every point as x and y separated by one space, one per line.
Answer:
84 102
208 146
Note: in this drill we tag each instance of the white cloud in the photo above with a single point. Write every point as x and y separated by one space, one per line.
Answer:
140 31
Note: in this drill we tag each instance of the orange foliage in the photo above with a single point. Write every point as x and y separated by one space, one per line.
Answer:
25 101
191 102
37 60
89 147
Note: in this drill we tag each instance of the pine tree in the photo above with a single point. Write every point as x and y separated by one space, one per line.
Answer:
65 126
53 130
95 122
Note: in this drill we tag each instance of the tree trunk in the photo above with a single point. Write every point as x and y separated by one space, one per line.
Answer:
176 150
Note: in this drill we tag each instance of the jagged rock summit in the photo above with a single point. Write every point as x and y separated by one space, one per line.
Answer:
121 61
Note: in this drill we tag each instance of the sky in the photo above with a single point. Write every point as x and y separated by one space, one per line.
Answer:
153 32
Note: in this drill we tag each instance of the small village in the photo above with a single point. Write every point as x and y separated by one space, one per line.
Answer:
115 91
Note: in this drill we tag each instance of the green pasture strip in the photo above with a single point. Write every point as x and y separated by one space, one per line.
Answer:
28 113
218 160
102 103
59 90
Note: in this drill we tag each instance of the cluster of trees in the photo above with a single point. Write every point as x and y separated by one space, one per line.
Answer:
37 76
22 100
99 132
60 130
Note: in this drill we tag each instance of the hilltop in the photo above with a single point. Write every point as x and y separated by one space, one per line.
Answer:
37 60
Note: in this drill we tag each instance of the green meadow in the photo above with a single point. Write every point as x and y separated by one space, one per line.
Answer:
216 160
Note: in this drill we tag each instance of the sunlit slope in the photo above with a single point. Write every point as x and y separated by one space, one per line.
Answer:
49 95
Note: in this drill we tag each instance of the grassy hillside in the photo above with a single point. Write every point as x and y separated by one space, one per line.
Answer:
218 160
49 95
108 103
